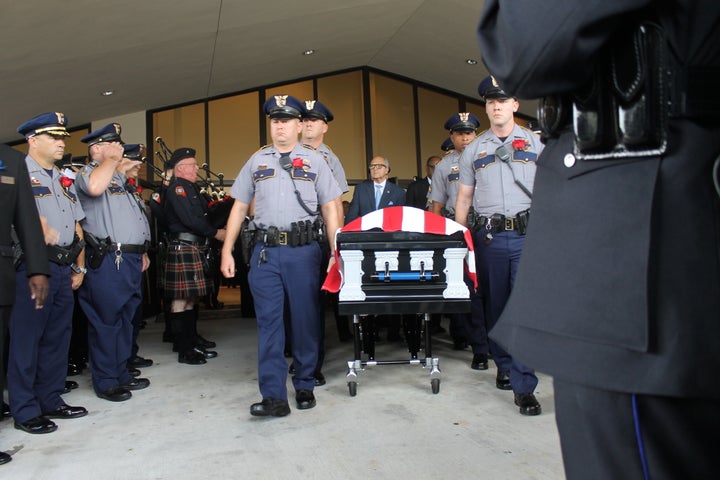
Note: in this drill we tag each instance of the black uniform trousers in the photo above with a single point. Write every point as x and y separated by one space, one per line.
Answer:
611 435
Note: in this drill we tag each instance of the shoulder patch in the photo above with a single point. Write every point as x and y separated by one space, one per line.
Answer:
180 191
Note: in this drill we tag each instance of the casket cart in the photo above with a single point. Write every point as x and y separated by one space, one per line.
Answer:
400 272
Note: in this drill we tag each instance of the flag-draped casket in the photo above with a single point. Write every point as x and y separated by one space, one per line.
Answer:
403 260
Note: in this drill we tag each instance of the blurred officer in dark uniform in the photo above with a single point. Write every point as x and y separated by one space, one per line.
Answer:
186 276
315 119
464 328
18 210
496 178
133 156
117 236
40 339
617 292
286 256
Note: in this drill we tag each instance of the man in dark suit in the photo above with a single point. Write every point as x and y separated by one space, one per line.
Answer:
369 196
18 210
616 294
417 191
375 193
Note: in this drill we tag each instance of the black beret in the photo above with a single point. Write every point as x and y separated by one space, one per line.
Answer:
180 154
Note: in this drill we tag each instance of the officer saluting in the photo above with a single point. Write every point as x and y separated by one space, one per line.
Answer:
40 339
291 185
117 235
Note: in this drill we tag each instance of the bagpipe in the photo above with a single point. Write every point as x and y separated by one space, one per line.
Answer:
219 202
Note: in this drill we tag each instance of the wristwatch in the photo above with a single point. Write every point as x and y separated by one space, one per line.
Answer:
77 269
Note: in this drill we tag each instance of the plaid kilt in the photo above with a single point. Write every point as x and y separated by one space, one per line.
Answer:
185 273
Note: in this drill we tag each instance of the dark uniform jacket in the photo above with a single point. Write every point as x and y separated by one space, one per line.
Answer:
363 200
18 209
185 209
417 193
618 287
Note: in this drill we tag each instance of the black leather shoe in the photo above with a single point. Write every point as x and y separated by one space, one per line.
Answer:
205 343
70 385
66 411
291 368
480 362
37 425
191 357
134 372
73 369
319 379
139 362
4 458
205 353
270 407
528 404
305 399
136 384
5 410
502 381
115 394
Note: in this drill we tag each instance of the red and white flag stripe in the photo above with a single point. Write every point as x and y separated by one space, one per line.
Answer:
406 219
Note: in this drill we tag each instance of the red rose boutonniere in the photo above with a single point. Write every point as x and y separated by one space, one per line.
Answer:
66 181
298 163
520 144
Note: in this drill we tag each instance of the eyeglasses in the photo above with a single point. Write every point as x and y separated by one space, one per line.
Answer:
373 166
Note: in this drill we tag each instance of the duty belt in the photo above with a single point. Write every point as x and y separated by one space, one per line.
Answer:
61 255
129 248
301 233
6 251
500 223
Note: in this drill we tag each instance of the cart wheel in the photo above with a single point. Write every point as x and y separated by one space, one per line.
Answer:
435 383
352 387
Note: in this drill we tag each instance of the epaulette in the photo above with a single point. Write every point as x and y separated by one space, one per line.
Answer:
527 130
452 150
262 148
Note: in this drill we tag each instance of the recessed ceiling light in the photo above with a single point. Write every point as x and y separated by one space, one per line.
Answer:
309 51
471 61
107 93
